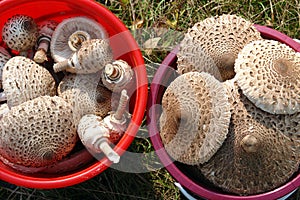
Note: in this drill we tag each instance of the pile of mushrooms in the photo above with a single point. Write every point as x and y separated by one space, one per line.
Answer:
233 112
46 111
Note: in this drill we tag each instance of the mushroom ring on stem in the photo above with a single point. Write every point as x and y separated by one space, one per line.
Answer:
258 155
71 33
23 80
268 72
195 118
92 57
38 132
96 133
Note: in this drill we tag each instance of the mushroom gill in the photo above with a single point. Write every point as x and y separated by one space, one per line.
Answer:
212 45
257 155
38 132
268 72
195 117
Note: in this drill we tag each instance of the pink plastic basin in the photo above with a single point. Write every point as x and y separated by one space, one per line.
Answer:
124 46
162 78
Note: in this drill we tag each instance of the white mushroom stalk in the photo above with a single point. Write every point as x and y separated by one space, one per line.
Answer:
92 56
46 30
117 75
96 134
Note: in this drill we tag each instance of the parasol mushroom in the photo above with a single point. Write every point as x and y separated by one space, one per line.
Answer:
23 80
85 94
92 57
46 29
70 33
212 45
38 132
268 73
195 118
4 57
96 133
256 156
20 33
117 75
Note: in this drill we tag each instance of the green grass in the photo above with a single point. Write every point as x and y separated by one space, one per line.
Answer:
142 17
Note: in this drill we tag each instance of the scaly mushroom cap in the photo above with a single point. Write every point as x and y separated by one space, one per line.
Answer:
268 72
85 94
38 132
195 118
256 156
212 45
20 32
4 57
59 47
24 80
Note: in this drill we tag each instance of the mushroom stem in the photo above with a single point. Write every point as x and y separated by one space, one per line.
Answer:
76 39
43 46
118 115
64 65
3 97
108 151
112 72
250 144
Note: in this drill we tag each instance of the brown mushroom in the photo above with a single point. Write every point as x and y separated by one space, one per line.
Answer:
256 156
85 94
268 72
96 133
23 80
117 75
38 132
46 29
195 118
212 45
20 33
4 57
92 57
70 33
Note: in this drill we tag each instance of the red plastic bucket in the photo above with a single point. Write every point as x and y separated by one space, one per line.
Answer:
163 77
124 47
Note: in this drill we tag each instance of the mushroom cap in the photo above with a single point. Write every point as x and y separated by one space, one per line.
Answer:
257 155
212 45
20 32
268 72
93 55
24 80
195 118
59 48
38 132
4 57
86 95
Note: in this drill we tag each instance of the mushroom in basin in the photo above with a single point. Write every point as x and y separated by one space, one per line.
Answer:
4 57
91 57
86 94
97 133
38 132
257 155
46 29
70 33
268 72
23 80
195 118
20 33
212 45
117 75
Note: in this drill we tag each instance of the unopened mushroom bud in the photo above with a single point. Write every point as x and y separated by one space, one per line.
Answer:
20 33
117 75
46 30
96 133
92 56
71 33
4 57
